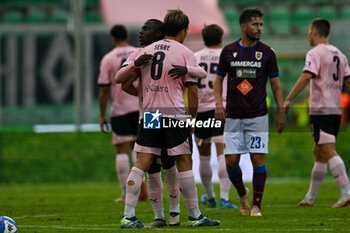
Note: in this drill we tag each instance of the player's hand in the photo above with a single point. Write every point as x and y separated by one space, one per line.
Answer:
281 120
177 71
286 105
143 59
220 114
104 125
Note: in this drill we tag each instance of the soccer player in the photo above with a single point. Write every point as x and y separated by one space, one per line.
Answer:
124 110
249 63
162 93
152 31
208 58
326 67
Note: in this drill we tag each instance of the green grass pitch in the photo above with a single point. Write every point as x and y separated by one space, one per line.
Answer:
90 207
66 183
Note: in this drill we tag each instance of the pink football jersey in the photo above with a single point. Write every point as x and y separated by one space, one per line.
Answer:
123 103
160 91
208 59
132 56
328 66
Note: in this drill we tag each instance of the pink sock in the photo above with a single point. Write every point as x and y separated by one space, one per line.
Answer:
206 174
318 173
133 186
188 189
225 183
172 184
123 169
155 190
337 167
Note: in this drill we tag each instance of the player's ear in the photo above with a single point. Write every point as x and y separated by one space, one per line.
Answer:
243 27
114 41
183 32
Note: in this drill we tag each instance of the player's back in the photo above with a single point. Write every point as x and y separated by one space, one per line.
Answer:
160 91
329 66
208 59
123 103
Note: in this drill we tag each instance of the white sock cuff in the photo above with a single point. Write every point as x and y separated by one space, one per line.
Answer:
122 155
154 176
320 167
186 174
335 161
138 171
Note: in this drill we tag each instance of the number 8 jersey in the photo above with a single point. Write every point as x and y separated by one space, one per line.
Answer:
328 67
160 91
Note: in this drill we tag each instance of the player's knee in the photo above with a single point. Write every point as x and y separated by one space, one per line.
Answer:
231 162
184 162
204 149
123 147
257 159
144 161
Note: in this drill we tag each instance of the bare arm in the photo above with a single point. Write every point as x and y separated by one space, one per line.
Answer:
192 100
302 82
278 95
103 101
219 110
128 85
124 73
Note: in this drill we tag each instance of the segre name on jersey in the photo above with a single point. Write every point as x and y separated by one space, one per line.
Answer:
246 64
162 47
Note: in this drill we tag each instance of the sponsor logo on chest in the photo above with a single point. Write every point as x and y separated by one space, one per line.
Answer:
252 64
246 73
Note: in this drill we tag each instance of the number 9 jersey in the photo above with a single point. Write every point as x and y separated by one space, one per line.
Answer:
160 91
329 67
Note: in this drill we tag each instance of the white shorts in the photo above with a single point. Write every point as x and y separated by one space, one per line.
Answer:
246 135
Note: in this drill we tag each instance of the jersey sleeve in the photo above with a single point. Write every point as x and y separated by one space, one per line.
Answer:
189 79
132 57
223 64
103 78
346 68
272 67
312 64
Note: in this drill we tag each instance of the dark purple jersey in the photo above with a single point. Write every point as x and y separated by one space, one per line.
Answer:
247 69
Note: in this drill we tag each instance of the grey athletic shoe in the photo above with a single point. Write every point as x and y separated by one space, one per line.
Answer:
157 223
203 221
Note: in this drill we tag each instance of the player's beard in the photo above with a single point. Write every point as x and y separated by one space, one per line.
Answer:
253 37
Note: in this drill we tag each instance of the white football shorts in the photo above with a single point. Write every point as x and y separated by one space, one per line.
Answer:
246 135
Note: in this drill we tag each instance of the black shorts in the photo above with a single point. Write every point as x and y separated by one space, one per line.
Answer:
205 133
329 124
163 138
125 124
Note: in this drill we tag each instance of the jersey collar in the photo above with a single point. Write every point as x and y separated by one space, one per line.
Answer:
239 43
